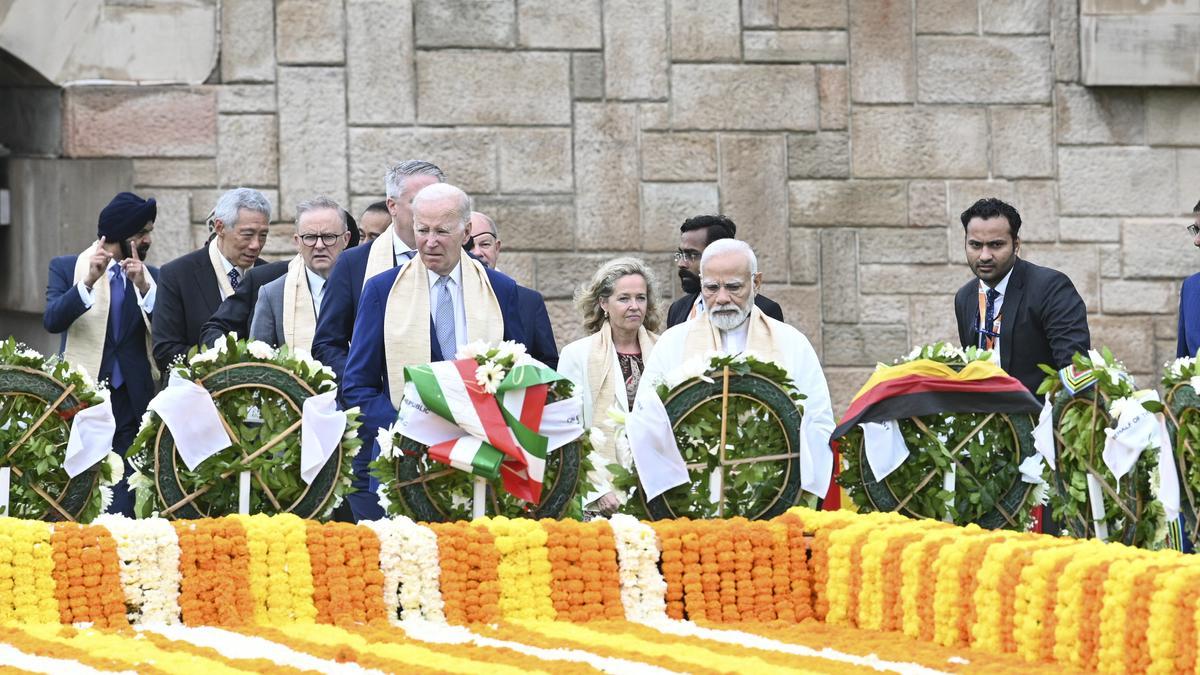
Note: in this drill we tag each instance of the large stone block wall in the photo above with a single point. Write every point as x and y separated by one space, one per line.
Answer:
844 137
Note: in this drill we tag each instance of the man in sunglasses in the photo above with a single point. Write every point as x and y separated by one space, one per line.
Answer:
694 236
1189 301
287 308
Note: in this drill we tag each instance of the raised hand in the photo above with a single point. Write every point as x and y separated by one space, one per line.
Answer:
135 270
97 264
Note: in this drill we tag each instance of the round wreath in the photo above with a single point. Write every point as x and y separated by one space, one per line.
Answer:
414 485
38 398
259 393
985 450
755 407
1181 381
1132 514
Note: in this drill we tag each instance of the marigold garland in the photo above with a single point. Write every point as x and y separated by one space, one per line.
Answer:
469 579
1171 632
27 585
29 644
524 569
585 585
132 650
1034 620
280 570
954 590
1080 597
346 578
87 576
643 589
214 562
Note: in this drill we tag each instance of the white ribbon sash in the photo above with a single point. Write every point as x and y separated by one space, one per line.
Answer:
91 438
885 447
321 429
189 412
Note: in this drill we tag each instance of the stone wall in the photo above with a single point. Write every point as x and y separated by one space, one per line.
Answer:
842 135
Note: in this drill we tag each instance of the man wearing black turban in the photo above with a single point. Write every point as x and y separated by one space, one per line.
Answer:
101 301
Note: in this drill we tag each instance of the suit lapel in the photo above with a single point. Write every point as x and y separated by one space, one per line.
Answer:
210 291
1014 295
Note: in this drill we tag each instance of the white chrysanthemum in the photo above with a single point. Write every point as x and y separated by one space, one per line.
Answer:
384 502
30 354
117 465
1123 406
509 349
83 373
209 355
1195 382
489 376
260 350
914 354
384 439
596 437
471 350
139 481
106 495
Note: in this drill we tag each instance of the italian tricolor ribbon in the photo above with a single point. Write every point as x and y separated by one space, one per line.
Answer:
499 434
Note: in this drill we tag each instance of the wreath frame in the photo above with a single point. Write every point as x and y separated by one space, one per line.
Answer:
1183 404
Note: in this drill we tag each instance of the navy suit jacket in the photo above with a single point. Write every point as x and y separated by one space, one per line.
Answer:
1189 317
365 384
1043 321
64 306
339 306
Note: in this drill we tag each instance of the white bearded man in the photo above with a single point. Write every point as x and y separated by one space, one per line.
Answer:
729 280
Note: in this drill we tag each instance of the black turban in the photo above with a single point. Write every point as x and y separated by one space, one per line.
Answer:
125 216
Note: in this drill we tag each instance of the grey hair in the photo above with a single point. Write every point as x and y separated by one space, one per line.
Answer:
490 221
393 180
722 246
462 203
317 204
235 200
587 297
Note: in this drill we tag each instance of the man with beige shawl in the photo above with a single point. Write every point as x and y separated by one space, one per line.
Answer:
729 280
287 308
426 310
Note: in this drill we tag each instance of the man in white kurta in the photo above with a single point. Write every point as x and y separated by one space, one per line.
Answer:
729 280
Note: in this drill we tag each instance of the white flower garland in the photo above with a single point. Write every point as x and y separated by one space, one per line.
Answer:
643 589
408 557
149 554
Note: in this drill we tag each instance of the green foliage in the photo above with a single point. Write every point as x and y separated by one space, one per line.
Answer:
256 415
40 457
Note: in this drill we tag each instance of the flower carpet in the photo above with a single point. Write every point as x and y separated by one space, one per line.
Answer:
827 592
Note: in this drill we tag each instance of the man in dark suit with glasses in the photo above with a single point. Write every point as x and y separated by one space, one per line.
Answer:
1189 301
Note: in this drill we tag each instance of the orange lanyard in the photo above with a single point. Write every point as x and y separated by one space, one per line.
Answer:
989 333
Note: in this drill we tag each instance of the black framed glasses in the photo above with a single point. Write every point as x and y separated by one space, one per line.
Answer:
310 240
690 256
1193 229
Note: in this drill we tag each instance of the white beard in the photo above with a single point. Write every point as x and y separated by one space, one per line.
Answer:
727 321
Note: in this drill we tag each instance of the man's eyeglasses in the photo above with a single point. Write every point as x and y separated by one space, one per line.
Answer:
1193 229
690 256
310 240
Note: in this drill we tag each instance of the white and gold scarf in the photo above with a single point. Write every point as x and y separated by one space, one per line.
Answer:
85 337
381 257
299 313
214 257
406 317
703 337
603 381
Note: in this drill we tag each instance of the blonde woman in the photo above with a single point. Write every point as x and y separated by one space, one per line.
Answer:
620 313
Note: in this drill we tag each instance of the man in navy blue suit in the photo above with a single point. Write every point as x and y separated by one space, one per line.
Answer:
101 301
428 309
335 322
1189 302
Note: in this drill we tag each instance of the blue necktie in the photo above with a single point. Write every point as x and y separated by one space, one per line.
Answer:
443 319
404 257
986 334
235 278
116 303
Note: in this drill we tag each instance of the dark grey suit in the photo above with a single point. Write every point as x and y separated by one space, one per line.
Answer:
1043 320
267 324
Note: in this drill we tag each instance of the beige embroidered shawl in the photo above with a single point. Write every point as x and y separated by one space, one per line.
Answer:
406 317
85 337
214 257
381 257
703 337
603 379
299 313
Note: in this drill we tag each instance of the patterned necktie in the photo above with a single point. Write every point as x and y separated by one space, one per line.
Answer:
443 319
235 278
987 338
116 303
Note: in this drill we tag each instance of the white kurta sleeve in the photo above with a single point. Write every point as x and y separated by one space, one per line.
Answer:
816 457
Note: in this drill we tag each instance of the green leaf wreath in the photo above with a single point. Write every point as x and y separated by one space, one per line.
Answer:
1181 382
755 428
437 492
988 487
260 406
1131 512
33 439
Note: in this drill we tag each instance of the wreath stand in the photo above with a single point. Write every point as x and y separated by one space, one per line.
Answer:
59 401
277 380
694 394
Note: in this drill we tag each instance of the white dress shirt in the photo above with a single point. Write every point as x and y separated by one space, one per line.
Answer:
399 248
145 302
456 297
1001 288
316 286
